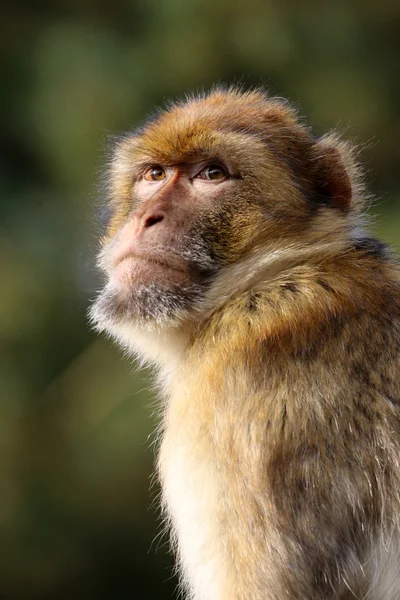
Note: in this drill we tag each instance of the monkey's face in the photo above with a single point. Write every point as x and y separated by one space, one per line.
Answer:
193 192
165 252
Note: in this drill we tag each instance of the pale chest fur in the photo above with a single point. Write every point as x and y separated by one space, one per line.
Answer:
210 455
192 497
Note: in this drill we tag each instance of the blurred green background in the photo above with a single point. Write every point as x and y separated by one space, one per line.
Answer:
77 518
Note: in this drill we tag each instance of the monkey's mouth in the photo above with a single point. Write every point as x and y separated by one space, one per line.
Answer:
132 268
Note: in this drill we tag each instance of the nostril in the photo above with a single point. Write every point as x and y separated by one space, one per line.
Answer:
152 220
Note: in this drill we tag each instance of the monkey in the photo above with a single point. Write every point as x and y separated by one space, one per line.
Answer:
237 261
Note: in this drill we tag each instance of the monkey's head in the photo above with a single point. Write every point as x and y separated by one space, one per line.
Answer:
214 189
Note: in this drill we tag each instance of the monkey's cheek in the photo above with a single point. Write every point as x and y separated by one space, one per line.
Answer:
132 272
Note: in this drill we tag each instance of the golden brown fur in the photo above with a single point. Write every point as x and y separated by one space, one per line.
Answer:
280 444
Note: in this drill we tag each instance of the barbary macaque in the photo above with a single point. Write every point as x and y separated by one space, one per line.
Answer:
237 262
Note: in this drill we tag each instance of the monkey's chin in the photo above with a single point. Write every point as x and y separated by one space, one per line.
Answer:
149 306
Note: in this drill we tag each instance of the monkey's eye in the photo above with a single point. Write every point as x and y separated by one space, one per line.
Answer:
213 172
156 173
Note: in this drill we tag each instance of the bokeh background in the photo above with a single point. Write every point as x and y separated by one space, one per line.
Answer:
77 516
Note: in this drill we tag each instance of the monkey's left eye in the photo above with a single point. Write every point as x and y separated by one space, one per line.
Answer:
213 172
156 173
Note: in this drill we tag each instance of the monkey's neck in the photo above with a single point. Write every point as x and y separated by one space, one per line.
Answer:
295 297
294 306
268 267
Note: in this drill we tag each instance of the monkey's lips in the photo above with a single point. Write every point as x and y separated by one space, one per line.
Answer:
133 269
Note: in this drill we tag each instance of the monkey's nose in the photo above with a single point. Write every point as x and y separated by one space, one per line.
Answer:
152 220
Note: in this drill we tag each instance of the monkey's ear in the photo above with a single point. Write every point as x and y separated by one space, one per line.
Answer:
332 178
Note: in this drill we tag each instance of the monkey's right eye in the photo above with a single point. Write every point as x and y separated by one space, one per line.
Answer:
213 172
156 173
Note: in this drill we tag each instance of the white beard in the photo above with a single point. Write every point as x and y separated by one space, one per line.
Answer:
148 306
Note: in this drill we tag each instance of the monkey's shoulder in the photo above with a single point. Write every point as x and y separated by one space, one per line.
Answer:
338 307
